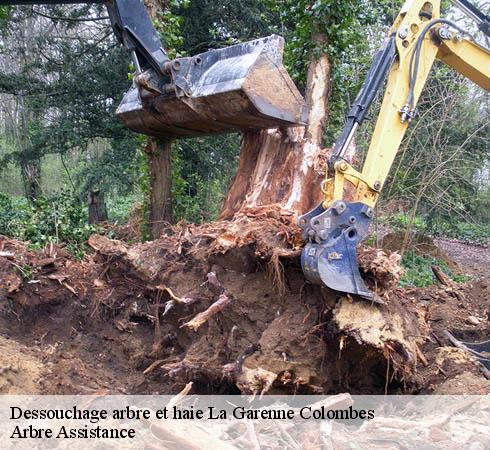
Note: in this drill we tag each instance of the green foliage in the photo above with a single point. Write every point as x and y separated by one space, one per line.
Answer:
201 173
471 233
342 30
169 24
4 15
418 270
339 23
25 271
206 24
59 218
120 208
114 170
401 221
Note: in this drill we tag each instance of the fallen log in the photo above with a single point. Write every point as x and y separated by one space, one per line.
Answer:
441 276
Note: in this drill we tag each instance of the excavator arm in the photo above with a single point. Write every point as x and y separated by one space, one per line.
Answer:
236 88
131 25
335 227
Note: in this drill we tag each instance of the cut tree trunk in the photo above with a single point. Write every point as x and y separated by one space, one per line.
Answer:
285 166
97 211
159 162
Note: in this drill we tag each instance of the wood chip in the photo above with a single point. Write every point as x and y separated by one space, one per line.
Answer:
472 320
72 290
153 366
183 300
174 401
58 277
421 356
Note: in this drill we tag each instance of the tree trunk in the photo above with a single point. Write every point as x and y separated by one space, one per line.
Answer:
285 166
30 164
159 151
31 178
97 211
159 162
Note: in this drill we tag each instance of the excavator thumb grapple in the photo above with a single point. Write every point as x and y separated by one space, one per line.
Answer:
330 255
240 87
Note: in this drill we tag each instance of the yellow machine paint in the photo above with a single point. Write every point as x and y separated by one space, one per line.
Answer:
417 38
463 55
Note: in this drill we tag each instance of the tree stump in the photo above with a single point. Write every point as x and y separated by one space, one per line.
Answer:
97 211
285 166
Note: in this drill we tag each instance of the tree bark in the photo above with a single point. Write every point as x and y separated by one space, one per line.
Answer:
97 211
31 178
285 166
30 164
159 162
159 152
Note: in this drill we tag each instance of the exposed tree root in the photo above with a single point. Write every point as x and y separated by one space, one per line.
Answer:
226 306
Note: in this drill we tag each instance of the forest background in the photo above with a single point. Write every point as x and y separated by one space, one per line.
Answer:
62 75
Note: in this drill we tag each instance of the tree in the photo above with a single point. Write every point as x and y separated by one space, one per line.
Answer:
286 166
62 92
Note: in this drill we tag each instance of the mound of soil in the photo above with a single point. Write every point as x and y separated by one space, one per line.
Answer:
224 305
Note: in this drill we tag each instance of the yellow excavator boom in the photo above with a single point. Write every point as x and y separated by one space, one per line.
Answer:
417 38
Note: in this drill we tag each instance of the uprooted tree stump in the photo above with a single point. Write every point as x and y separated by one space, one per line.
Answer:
231 306
233 297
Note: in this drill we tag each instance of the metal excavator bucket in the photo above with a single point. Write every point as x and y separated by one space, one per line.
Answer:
240 87
330 256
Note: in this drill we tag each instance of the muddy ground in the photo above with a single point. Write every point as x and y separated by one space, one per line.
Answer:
129 319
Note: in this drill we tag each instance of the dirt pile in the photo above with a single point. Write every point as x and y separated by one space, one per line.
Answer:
224 305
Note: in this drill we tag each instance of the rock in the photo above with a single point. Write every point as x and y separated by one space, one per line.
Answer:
472 320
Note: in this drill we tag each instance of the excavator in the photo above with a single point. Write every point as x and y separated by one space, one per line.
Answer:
418 37
245 86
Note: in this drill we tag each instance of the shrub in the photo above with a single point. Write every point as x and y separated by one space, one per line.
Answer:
401 221
418 270
471 233
58 218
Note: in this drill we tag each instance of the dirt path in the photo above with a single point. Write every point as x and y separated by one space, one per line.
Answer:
473 260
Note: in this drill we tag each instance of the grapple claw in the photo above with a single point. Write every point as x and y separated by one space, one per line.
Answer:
330 256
